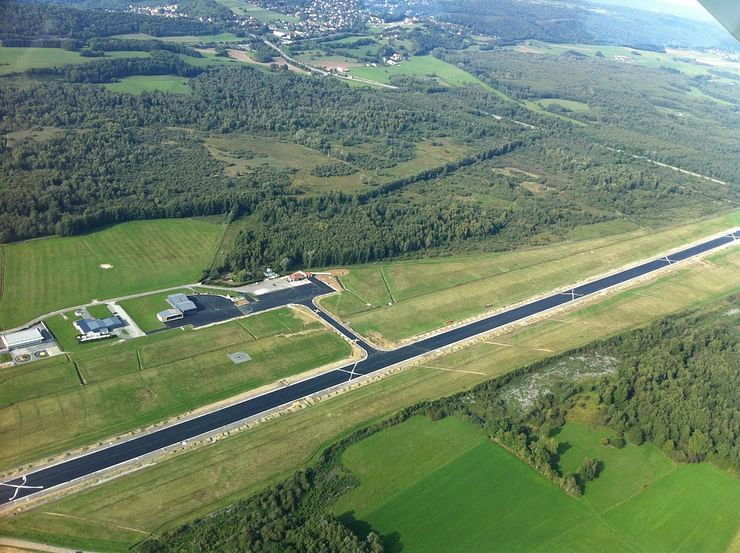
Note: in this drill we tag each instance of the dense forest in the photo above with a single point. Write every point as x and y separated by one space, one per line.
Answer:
672 383
31 20
123 156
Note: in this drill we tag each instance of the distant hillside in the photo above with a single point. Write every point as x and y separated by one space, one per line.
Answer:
515 20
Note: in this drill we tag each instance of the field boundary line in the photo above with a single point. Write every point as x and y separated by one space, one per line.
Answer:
2 272
453 370
79 373
217 249
245 329
387 287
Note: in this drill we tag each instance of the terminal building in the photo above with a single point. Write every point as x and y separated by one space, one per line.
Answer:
98 327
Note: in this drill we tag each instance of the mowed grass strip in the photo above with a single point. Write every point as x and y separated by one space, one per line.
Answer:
431 293
194 484
43 275
142 381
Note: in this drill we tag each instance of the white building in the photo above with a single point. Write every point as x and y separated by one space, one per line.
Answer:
23 338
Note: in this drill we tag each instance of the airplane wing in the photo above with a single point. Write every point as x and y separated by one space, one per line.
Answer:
727 12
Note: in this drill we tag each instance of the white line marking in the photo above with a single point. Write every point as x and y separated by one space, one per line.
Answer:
21 486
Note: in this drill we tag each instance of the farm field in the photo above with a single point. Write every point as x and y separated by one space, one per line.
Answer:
117 514
113 387
15 60
141 83
445 487
427 294
419 66
43 275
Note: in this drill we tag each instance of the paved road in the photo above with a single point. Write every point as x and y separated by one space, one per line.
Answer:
102 459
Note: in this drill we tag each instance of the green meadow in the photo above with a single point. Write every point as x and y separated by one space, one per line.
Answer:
140 83
48 274
418 66
443 487
16 60
186 39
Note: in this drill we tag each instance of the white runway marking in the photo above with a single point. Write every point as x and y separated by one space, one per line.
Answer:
351 374
21 486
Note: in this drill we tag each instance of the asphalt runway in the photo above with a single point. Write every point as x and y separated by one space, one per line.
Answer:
102 459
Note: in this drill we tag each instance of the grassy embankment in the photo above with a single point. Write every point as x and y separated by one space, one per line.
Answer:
122 512
443 487
428 294
43 275
108 388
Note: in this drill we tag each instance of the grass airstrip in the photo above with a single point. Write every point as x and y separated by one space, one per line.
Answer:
114 515
390 302
39 276
107 388
443 487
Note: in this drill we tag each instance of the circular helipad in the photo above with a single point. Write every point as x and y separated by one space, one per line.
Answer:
239 357
41 354
22 358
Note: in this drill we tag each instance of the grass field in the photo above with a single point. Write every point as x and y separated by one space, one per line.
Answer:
140 83
99 311
43 275
45 408
15 60
429 293
186 39
444 488
419 66
117 514
240 7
